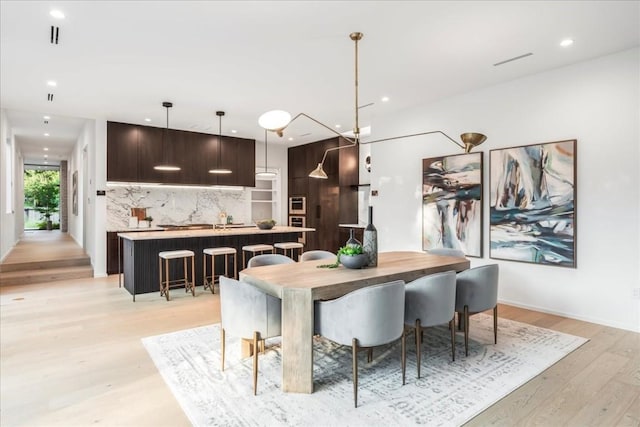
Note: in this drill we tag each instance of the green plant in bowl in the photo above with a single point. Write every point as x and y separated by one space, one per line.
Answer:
265 224
347 255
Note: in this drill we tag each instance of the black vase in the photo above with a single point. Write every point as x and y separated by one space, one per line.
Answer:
370 245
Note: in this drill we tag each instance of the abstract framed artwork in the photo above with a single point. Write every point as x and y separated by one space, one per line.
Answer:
74 193
533 203
452 203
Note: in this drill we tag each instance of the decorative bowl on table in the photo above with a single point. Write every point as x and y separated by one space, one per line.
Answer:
266 224
353 261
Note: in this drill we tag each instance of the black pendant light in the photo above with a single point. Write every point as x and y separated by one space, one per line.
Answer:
266 173
166 165
219 169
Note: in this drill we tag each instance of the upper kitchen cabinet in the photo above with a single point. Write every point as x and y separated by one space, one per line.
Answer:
297 162
149 154
244 152
133 151
122 152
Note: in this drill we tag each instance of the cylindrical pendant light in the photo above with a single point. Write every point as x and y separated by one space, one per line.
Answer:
166 165
266 173
218 169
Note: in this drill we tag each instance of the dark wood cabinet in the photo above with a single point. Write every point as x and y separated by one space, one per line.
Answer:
112 252
296 160
246 162
329 201
134 150
122 152
149 153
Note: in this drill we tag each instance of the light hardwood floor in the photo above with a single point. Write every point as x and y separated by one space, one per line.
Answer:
71 355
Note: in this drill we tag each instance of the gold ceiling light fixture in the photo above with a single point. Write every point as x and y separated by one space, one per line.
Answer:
266 173
166 165
218 169
277 121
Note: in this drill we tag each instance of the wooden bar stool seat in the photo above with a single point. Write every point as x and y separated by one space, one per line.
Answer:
167 282
213 252
254 249
292 247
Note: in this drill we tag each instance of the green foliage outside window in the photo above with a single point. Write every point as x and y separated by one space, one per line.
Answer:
42 191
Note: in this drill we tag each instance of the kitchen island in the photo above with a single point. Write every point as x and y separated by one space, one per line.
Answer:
140 250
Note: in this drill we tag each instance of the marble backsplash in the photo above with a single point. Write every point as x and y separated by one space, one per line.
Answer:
171 205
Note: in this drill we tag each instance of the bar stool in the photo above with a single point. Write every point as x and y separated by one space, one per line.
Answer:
213 252
168 283
254 249
291 247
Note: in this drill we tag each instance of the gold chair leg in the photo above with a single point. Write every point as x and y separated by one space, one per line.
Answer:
495 324
418 344
370 355
255 362
466 330
404 356
160 276
205 285
222 349
193 276
354 354
166 286
452 328
235 266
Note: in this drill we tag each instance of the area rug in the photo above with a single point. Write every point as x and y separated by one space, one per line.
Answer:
447 394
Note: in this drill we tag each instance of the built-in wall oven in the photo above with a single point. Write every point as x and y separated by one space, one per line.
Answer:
298 221
297 205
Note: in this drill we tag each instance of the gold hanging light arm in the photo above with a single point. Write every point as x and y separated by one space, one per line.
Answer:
356 130
412 135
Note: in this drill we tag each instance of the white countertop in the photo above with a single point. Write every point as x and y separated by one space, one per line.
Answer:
353 225
183 234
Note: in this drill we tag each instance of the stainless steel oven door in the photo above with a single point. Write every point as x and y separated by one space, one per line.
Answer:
297 205
298 221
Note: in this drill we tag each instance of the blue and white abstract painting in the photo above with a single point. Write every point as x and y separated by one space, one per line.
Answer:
533 200
452 203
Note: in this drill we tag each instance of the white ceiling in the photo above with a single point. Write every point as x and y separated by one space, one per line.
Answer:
119 60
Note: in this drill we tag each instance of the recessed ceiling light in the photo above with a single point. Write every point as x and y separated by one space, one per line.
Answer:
46 149
384 99
566 42
46 134
46 155
52 83
46 163
57 14
290 139
234 131
147 120
46 117
338 126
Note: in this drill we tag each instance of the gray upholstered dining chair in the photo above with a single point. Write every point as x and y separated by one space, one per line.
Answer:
248 312
268 259
431 301
477 291
447 252
367 317
318 254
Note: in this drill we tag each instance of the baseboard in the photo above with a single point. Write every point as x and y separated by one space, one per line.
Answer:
595 320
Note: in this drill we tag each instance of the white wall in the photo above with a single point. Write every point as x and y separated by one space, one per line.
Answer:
8 236
595 102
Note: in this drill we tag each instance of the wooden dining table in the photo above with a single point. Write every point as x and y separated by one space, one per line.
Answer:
299 284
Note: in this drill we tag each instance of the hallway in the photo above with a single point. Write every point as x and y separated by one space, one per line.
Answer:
44 256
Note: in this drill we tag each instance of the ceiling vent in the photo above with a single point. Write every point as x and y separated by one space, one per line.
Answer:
55 31
50 97
515 58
